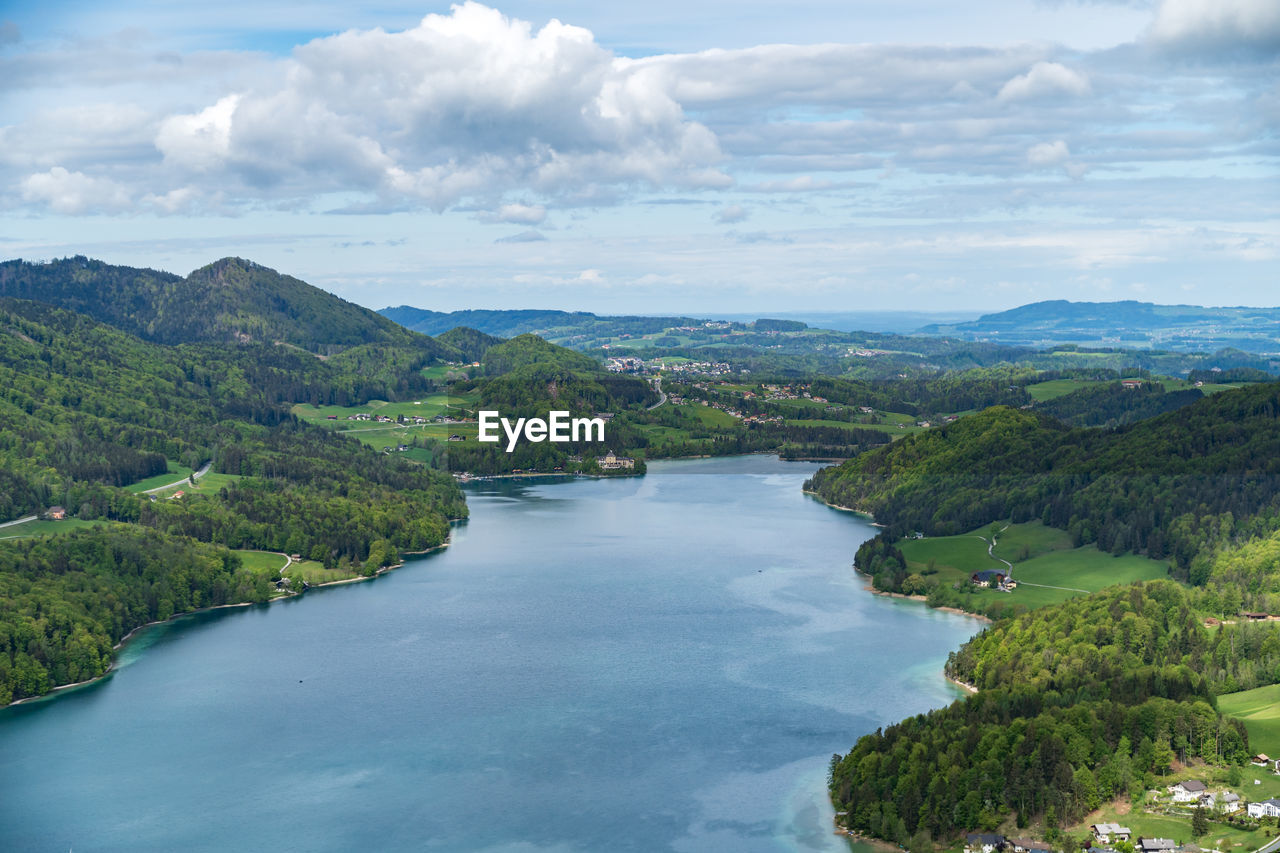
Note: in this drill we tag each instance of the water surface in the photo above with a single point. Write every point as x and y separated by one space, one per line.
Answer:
639 664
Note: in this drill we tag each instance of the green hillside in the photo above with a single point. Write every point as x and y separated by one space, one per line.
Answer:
229 301
87 411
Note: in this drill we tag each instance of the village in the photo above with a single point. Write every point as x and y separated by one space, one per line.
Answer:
1191 800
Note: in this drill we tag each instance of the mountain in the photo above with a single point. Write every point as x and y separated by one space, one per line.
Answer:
1124 323
473 344
229 301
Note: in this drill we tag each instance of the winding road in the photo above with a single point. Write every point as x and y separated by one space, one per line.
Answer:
662 395
992 544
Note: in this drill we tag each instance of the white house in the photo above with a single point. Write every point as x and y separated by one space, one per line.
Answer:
1110 832
1229 802
1266 808
1188 791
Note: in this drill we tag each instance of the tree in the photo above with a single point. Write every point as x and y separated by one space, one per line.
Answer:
1199 823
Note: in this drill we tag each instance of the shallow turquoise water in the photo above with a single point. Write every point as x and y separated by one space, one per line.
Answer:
641 664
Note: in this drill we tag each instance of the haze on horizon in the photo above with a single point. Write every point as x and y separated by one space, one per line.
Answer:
705 157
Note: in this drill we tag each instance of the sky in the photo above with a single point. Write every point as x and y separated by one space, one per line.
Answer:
666 157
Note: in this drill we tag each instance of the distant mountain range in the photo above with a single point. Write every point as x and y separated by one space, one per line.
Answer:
1123 324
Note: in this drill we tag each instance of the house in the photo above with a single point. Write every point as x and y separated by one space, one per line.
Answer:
1258 617
983 842
1156 845
1261 759
177 495
1131 383
1188 791
402 447
456 437
56 513
1266 808
612 462
1229 802
993 578
331 417
1110 832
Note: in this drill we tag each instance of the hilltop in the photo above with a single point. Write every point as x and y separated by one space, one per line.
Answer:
231 300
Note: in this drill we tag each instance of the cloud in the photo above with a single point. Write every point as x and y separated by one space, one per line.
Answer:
199 142
1218 26
9 33
519 214
731 214
73 192
467 105
532 235
1048 153
1045 79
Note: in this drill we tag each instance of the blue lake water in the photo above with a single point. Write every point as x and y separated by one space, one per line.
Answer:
641 664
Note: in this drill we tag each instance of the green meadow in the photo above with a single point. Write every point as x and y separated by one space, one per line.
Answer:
1047 568
1259 710
175 472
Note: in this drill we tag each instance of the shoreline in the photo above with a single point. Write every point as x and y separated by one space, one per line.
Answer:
855 511
111 668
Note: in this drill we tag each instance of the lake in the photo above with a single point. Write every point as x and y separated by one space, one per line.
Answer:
654 663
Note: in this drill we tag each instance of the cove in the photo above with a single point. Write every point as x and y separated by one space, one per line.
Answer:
655 663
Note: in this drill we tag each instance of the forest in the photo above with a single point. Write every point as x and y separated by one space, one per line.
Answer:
1078 704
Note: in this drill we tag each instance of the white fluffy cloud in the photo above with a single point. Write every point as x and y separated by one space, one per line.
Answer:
73 192
1045 79
470 104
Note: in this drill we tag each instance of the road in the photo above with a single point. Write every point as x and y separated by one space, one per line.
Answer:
197 475
22 520
662 397
992 544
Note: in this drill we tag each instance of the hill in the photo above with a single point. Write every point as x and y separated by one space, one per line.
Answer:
228 301
1171 486
1188 328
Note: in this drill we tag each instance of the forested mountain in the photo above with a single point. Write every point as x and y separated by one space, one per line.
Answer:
86 408
472 343
228 301
1172 486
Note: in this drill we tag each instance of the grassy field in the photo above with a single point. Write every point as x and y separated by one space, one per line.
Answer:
271 564
1259 710
262 561
426 407
44 528
175 471
1047 568
209 484
1042 391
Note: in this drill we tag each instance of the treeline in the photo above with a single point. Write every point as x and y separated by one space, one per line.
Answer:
1079 703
